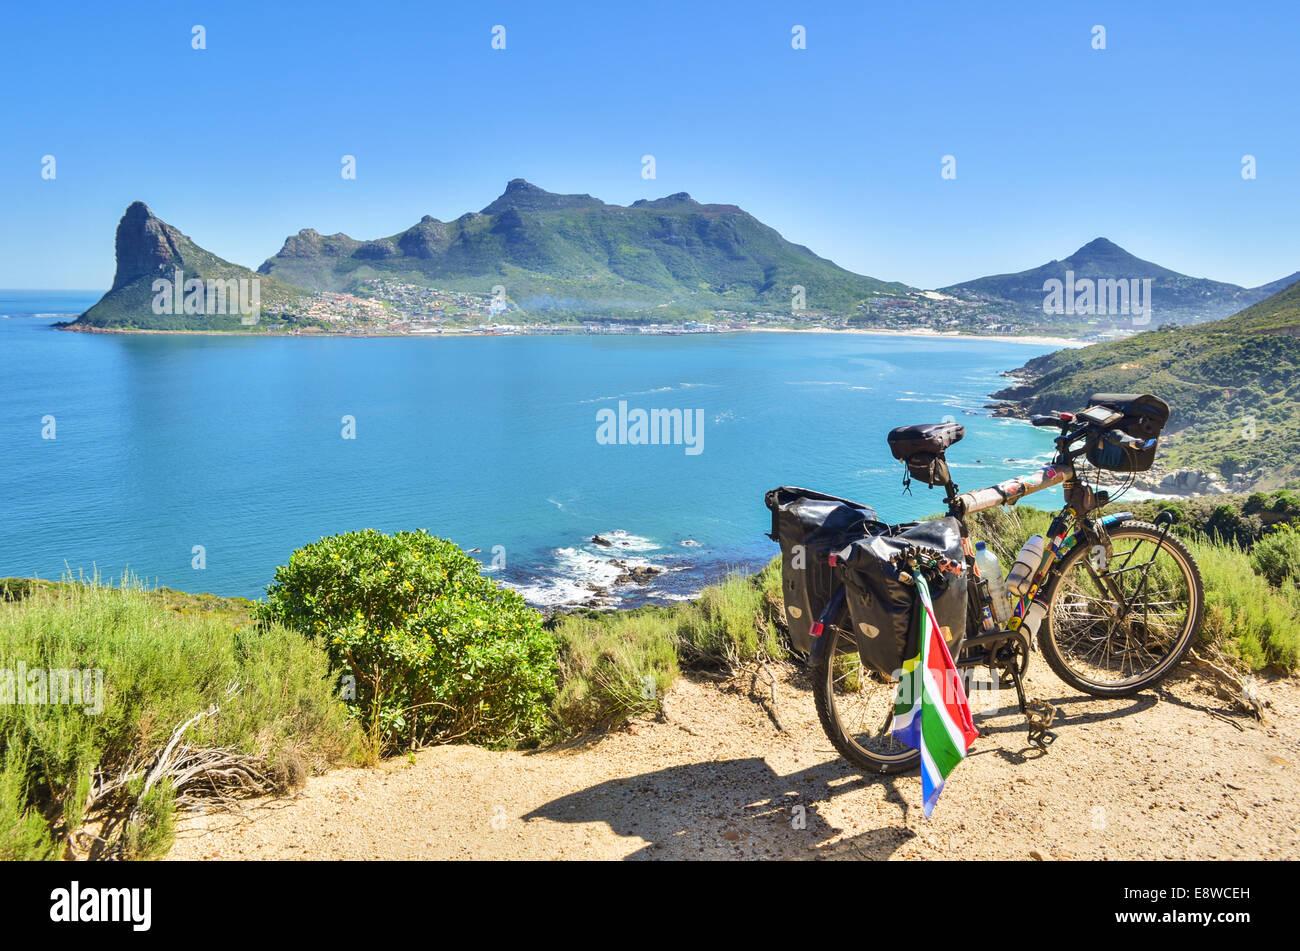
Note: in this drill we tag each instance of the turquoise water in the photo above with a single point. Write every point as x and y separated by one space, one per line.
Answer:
235 444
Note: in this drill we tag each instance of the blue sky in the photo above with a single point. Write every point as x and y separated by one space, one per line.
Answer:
838 146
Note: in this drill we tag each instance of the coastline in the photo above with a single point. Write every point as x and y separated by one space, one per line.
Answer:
466 332
927 335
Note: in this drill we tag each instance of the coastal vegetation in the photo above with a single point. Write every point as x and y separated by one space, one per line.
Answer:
370 644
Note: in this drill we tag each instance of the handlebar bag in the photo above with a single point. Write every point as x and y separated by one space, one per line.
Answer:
1144 415
809 526
882 607
1117 453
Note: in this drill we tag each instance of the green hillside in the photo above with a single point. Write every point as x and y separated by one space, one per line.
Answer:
149 249
1216 377
574 254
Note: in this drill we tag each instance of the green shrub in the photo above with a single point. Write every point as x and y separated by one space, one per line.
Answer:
1252 621
728 623
161 664
619 664
428 649
613 666
1277 556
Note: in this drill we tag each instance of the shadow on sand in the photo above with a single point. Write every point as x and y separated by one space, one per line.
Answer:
690 811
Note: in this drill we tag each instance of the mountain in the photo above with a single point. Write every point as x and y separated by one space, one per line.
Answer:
575 254
1175 298
1281 284
1233 387
225 295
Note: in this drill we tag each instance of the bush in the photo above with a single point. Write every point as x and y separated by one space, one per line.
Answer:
428 649
613 666
1277 556
619 664
729 624
1251 620
160 663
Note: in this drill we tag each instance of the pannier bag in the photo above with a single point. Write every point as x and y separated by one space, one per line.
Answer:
1119 453
922 448
1144 416
809 526
881 607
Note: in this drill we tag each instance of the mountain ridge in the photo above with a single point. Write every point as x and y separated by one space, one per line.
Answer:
662 259
577 253
1174 297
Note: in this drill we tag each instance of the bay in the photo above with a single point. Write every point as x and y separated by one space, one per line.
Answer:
236 445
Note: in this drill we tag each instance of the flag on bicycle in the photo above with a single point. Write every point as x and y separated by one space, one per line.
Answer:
931 712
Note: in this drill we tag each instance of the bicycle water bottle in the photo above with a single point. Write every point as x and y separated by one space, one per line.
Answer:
1022 572
991 572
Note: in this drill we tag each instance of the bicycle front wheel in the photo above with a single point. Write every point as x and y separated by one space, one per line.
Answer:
1120 623
856 707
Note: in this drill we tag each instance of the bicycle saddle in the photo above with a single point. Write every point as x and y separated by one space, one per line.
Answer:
931 438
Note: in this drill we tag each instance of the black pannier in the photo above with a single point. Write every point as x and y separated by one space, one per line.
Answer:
922 449
809 526
1144 415
1119 453
882 608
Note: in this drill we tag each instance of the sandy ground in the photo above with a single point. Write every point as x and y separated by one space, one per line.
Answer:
1169 774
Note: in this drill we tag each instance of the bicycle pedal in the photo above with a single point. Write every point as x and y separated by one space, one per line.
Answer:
1040 713
1042 738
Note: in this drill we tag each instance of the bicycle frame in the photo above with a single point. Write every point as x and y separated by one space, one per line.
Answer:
1067 529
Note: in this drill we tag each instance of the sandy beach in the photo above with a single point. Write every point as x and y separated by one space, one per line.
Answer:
466 332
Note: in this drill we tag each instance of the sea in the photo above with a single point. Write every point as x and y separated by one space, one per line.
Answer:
202 462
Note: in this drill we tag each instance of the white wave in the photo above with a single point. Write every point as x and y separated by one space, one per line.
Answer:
658 389
851 386
626 541
555 592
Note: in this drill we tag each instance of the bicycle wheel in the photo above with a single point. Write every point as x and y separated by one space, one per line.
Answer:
1116 627
856 707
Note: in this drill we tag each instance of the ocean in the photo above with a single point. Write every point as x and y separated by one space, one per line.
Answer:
201 463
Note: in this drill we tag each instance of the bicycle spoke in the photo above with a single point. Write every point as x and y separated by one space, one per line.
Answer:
1118 624
864 704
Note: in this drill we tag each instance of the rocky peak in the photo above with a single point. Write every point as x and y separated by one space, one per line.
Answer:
145 245
521 195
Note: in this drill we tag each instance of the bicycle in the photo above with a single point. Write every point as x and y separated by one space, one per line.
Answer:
1114 606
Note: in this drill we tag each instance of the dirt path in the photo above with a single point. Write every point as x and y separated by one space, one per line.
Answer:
1155 776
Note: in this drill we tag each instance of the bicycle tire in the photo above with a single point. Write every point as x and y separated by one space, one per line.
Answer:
823 673
1055 657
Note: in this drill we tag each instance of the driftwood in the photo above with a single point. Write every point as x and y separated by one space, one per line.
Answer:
1228 684
197 775
768 701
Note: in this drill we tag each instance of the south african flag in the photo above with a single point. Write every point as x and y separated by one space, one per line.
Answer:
931 713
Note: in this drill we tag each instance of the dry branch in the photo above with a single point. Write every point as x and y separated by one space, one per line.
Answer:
1238 688
196 774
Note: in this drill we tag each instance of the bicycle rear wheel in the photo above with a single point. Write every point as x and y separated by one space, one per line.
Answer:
1116 628
856 707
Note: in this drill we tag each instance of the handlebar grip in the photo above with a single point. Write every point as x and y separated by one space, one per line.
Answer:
1123 439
